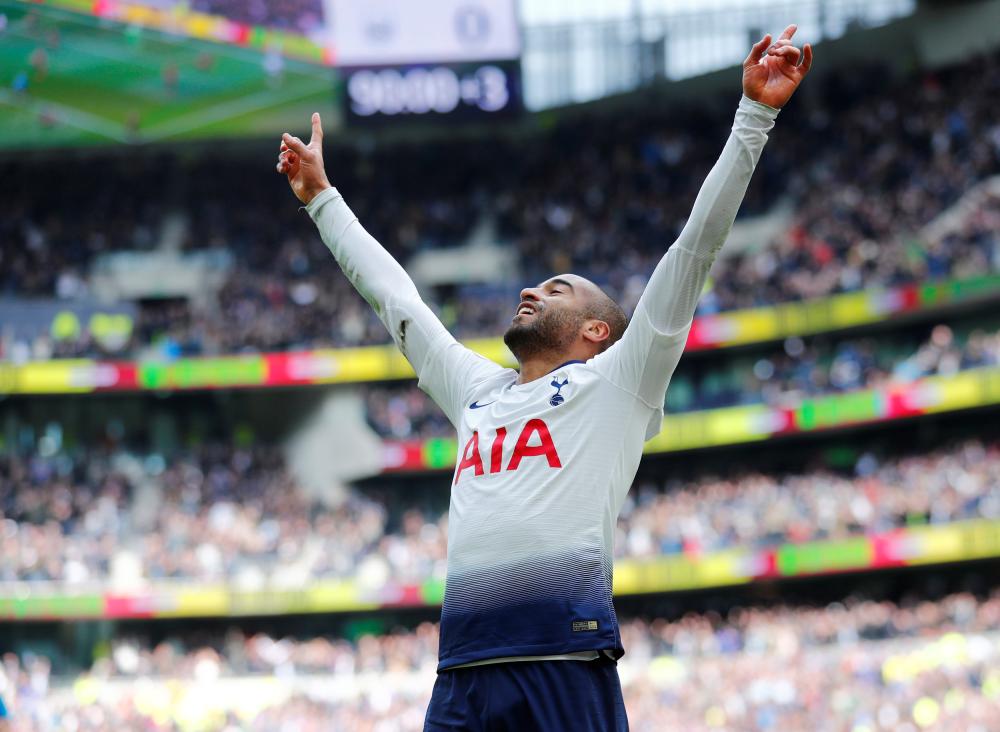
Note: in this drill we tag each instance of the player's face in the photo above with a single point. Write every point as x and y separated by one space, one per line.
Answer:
549 316
555 293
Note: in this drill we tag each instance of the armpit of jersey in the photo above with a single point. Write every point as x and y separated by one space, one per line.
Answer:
642 363
453 375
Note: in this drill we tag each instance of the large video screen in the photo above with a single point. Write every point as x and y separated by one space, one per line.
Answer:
138 71
401 32
132 74
454 59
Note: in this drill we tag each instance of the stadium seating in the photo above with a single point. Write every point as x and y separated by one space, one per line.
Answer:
797 370
813 544
855 665
863 189
236 515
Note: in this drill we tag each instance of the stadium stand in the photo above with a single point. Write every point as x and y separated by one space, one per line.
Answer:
114 505
230 514
856 664
774 378
872 185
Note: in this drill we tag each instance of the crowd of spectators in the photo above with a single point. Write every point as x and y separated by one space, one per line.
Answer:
756 509
847 233
819 367
782 378
236 515
214 514
404 412
868 164
859 664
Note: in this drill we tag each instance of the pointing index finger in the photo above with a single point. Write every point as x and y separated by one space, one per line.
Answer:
317 129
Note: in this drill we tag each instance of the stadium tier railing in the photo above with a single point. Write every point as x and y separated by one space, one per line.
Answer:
910 546
384 363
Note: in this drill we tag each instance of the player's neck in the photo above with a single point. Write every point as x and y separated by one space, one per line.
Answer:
536 367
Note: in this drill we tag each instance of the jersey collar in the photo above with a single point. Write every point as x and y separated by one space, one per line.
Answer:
530 384
565 364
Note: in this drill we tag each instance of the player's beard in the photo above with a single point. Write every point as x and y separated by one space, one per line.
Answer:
549 331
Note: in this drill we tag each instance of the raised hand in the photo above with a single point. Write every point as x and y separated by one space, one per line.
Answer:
772 73
303 164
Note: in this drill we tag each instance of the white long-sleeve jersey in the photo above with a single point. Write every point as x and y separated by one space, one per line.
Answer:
545 466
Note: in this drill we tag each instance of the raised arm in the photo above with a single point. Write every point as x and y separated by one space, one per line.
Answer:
446 368
644 359
770 76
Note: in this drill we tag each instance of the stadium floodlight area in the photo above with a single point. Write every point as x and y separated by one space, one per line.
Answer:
577 52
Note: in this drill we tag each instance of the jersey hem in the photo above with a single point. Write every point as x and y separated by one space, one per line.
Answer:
575 656
444 664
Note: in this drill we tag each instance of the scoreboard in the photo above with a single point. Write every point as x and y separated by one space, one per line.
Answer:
460 91
444 59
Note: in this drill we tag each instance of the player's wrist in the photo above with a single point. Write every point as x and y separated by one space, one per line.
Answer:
311 193
313 205
749 102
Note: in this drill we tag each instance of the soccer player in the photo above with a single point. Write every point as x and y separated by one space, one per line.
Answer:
529 637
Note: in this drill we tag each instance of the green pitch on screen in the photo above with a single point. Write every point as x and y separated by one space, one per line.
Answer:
69 79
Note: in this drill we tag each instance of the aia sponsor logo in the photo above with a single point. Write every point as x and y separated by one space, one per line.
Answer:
533 441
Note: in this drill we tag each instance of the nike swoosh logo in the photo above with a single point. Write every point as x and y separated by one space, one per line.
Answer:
474 405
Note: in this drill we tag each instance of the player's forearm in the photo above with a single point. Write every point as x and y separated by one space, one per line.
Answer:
369 267
673 290
379 278
722 192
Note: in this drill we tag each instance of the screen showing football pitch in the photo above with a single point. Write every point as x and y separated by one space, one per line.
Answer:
75 78
79 72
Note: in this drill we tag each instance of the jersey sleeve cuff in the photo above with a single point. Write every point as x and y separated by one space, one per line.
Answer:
313 207
758 110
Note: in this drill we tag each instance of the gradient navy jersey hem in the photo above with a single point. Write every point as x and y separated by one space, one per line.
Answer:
545 628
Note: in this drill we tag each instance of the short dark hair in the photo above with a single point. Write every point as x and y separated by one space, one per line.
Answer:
606 309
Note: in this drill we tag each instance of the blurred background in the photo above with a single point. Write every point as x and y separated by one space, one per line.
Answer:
223 500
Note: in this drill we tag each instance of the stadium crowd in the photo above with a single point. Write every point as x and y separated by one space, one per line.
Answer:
783 378
857 665
866 168
754 509
237 515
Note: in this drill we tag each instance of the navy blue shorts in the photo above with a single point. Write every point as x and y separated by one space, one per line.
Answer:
529 696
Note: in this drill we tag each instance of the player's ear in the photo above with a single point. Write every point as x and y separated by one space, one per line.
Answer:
595 331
